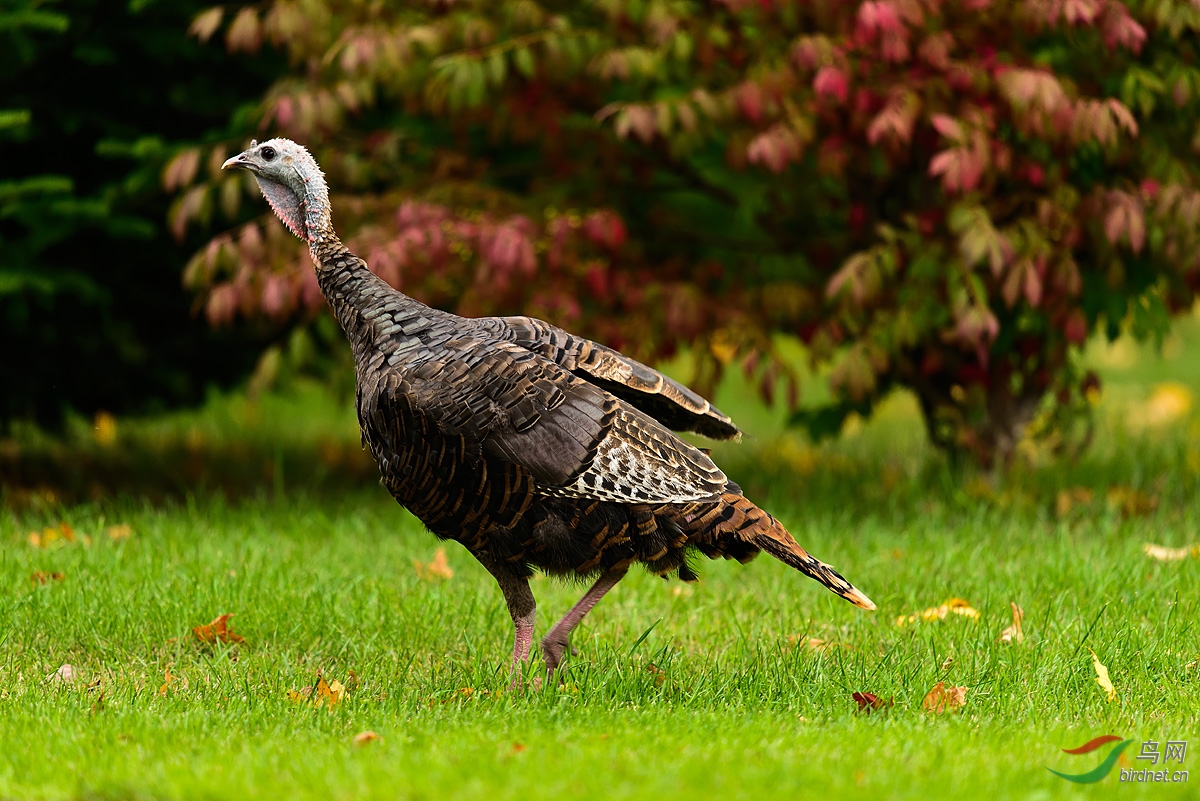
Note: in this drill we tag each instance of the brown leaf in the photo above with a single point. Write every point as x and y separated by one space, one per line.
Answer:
1130 502
1102 677
1013 633
1068 499
217 631
870 702
1164 554
816 643
40 577
166 685
944 699
439 568
364 737
660 675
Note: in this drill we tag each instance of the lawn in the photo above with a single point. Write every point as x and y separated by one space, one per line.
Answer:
705 690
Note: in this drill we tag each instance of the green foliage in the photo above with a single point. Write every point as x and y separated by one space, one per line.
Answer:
92 315
947 196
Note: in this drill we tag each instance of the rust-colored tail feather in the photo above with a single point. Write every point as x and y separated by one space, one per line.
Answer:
738 516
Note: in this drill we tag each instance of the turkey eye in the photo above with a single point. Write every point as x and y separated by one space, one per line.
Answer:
268 153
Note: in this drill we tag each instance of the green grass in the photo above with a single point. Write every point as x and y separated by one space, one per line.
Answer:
322 581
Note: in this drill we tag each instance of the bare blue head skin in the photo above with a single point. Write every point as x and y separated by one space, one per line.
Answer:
292 183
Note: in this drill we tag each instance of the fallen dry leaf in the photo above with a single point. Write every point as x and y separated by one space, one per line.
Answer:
944 699
870 702
1164 554
660 675
329 694
1013 633
814 643
301 695
168 678
1130 502
217 631
952 606
105 429
1102 677
48 536
364 737
39 577
439 568
119 532
1068 499
1168 402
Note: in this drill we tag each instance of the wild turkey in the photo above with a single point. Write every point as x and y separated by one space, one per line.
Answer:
530 446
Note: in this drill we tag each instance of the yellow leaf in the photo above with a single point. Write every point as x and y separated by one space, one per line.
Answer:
1013 633
944 699
439 568
364 737
1164 554
328 694
105 429
1102 677
119 532
301 695
48 536
1168 402
952 606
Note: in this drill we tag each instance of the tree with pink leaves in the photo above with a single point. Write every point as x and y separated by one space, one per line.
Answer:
945 196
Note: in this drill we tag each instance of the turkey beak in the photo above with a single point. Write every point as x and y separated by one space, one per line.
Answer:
240 160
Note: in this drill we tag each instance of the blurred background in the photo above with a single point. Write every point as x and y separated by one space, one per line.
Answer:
897 233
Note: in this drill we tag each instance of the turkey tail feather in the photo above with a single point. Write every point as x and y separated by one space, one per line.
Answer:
736 521
779 543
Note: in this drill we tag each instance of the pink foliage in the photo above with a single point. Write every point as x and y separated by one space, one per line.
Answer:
832 82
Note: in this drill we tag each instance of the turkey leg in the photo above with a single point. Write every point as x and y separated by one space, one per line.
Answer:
556 640
521 607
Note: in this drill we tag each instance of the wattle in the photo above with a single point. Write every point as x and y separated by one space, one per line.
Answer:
285 205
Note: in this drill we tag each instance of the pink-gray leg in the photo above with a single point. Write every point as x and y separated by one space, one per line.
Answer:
521 608
557 639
